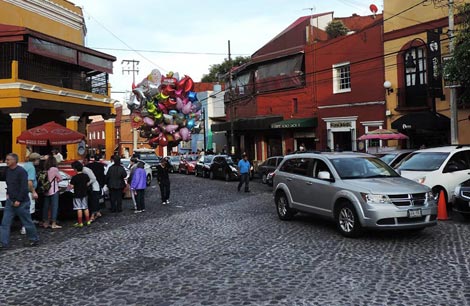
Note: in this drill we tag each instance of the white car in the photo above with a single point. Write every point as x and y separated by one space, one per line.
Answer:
441 168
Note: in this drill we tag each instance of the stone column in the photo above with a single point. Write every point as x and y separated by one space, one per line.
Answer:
18 125
72 123
110 136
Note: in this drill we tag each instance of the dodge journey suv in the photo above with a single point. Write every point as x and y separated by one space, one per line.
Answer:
355 190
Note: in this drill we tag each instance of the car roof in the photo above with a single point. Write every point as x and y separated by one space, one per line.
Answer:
446 149
396 151
329 155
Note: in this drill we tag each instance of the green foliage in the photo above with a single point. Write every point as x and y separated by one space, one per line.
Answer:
336 28
220 69
458 68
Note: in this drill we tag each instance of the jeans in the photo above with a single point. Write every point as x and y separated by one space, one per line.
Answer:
140 199
165 190
54 201
244 179
23 213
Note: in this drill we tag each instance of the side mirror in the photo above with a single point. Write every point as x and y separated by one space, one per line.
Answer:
326 176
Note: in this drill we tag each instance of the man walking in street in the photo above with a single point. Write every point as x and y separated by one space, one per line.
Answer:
17 203
163 180
115 181
244 172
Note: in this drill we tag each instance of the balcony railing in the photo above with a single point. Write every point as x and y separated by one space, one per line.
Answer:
37 68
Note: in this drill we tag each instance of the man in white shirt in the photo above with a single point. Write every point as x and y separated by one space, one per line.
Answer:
58 156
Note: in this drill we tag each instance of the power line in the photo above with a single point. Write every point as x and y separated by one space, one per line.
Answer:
167 52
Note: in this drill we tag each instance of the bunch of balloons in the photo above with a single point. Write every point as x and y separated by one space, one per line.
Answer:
165 109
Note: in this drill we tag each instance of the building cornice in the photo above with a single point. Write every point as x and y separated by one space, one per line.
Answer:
352 104
51 10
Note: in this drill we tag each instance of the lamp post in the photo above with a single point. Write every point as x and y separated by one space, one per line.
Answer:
203 113
232 106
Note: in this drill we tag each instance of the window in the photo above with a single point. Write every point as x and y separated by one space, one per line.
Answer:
341 78
415 67
295 106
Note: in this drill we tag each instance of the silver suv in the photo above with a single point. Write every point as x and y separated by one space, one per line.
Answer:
356 190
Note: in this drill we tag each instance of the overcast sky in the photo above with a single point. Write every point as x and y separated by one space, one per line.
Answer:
188 36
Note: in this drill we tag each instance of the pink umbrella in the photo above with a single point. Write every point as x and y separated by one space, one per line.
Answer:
383 134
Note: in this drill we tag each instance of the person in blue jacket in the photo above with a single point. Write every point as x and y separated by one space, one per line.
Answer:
244 172
138 185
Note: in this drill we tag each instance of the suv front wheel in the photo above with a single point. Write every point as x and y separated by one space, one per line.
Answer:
347 221
284 212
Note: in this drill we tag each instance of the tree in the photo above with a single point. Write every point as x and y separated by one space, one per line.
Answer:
336 28
457 68
220 69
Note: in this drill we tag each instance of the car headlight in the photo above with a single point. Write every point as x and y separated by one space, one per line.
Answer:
233 168
431 196
371 198
421 180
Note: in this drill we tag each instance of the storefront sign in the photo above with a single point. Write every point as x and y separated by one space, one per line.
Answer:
340 124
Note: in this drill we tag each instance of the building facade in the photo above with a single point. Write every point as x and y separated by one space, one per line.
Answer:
416 42
47 74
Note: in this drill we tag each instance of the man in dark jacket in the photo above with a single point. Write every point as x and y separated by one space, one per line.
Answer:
164 180
115 181
17 203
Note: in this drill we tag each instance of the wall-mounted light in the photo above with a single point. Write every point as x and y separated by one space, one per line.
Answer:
388 87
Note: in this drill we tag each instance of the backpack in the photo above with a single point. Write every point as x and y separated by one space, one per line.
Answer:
43 182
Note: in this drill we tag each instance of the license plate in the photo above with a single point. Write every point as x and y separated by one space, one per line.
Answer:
414 213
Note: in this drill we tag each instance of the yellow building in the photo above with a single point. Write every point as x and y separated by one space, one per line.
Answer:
415 44
47 74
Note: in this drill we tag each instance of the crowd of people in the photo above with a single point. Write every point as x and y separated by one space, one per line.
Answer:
33 181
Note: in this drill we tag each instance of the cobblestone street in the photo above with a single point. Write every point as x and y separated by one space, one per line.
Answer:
215 246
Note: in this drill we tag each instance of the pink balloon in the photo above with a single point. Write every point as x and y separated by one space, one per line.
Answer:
185 134
179 103
171 128
187 108
177 136
149 121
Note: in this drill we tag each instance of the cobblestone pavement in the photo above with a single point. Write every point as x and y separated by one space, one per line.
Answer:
215 246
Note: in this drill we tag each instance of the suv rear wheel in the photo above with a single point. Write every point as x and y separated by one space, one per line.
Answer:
227 177
347 221
284 212
264 178
211 175
149 180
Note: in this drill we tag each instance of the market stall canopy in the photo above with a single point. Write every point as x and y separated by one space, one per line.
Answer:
50 133
383 134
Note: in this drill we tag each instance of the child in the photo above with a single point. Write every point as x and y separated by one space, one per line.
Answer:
138 185
79 183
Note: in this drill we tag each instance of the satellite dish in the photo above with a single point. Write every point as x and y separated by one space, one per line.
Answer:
373 8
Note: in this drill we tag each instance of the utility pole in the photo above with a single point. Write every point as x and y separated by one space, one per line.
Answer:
132 66
232 106
454 124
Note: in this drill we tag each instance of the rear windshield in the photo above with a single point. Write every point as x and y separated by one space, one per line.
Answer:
423 161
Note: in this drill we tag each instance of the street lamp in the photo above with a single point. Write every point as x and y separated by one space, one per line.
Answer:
203 115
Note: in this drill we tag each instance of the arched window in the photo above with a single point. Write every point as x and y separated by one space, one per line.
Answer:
415 78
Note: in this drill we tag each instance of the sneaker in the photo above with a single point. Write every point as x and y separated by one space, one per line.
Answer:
78 225
88 223
23 231
167 201
32 243
164 203
142 210
138 211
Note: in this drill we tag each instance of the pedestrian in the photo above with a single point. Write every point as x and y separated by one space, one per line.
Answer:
79 183
116 183
302 147
98 170
93 192
244 172
30 167
58 156
163 179
132 166
138 185
51 196
17 202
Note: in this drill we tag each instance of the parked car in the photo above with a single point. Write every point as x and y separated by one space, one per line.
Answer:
149 156
441 168
222 166
187 164
268 166
355 190
462 199
394 157
126 162
203 165
174 162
